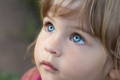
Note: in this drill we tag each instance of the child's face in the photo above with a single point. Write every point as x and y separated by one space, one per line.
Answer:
74 54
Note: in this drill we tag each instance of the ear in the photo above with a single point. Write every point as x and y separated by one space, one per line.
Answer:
114 74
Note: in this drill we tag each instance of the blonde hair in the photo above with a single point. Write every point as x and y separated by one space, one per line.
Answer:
102 16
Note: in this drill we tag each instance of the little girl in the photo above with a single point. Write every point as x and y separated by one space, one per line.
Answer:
79 40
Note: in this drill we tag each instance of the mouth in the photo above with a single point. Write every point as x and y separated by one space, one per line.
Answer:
48 66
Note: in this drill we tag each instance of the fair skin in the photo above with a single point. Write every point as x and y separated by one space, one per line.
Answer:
74 53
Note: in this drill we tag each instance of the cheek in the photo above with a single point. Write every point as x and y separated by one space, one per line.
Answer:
75 66
81 62
39 47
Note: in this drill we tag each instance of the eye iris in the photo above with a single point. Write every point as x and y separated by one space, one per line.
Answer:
51 28
76 38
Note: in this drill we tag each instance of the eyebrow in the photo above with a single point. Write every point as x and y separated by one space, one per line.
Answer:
80 27
49 17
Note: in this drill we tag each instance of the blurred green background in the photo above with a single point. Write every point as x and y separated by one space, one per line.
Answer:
32 23
19 26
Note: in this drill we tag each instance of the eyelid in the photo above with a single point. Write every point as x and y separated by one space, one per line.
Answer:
77 33
46 23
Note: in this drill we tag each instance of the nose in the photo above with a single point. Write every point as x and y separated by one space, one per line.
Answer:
53 46
50 51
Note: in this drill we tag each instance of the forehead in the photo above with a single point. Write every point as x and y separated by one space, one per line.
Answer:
71 4
73 21
67 8
71 11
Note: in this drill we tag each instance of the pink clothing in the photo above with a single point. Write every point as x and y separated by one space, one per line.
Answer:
32 74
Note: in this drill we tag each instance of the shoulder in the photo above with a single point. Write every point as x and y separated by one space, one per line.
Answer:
31 74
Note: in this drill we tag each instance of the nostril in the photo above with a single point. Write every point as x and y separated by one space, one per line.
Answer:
50 51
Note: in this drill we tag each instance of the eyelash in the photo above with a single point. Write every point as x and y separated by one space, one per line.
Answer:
72 37
46 25
81 38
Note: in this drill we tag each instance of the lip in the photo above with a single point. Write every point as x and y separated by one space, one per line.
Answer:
48 66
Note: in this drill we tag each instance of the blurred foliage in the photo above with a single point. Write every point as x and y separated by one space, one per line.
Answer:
31 30
32 22
33 5
5 76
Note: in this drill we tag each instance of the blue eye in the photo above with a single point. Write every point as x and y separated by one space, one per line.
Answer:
50 27
76 38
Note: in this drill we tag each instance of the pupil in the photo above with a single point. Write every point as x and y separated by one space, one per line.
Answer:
76 38
50 28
